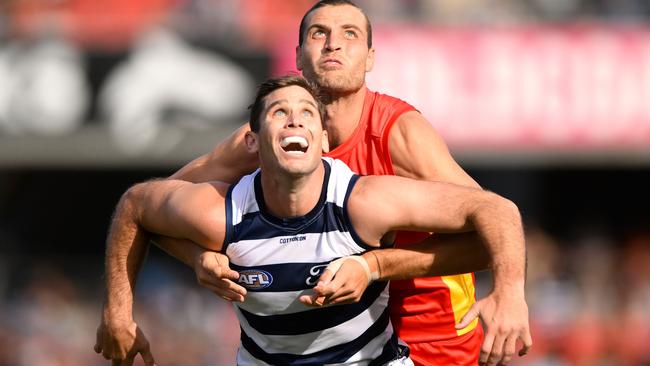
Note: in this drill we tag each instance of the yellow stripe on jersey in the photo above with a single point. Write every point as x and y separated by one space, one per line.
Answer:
461 291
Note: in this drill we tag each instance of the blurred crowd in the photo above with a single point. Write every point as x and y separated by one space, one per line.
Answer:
51 318
588 299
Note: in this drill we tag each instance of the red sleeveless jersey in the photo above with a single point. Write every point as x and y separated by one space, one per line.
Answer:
423 309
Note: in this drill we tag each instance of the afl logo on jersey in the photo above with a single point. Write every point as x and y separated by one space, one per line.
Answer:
255 279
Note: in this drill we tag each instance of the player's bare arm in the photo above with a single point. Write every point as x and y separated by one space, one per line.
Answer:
440 254
413 205
179 209
169 208
118 336
212 269
227 162
418 151
407 204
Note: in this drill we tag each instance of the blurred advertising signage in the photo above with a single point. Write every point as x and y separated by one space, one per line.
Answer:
571 86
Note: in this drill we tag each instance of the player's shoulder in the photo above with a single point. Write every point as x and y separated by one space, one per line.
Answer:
377 192
385 101
382 112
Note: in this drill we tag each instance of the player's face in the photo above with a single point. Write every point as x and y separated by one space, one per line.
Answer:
291 134
335 53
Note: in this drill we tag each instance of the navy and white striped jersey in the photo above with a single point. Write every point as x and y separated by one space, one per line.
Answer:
281 259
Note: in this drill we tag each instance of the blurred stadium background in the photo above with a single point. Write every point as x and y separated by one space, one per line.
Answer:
544 101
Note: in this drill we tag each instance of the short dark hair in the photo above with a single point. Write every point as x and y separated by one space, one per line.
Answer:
273 84
320 4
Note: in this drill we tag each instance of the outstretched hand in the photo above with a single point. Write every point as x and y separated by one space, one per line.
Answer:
506 320
121 342
213 272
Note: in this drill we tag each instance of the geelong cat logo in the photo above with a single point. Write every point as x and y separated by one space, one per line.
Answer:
255 279
315 273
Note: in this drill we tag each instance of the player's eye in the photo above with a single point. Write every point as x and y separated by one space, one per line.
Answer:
307 113
318 33
279 113
350 34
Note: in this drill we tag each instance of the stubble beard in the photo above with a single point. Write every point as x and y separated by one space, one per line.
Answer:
334 86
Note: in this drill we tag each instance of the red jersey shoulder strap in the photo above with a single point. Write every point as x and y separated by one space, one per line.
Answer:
383 113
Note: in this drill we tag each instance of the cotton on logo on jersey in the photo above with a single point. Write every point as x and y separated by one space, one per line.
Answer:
255 279
293 239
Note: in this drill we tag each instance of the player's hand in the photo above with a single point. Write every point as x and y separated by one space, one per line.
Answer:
505 316
121 341
213 272
340 283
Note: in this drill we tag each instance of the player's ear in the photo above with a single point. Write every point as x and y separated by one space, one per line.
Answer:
252 143
370 60
299 58
326 143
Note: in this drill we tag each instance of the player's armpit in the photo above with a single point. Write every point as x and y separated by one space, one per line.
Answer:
227 162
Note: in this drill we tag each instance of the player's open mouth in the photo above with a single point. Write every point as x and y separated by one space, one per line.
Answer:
295 144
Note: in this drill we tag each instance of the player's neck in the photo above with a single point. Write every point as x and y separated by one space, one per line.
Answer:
287 196
343 115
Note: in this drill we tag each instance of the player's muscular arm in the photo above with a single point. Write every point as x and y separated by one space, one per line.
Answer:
183 210
425 205
408 204
437 255
118 337
126 247
419 152
212 269
194 213
228 162
439 207
166 207
171 208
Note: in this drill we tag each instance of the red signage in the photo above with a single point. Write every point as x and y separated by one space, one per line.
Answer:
573 86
